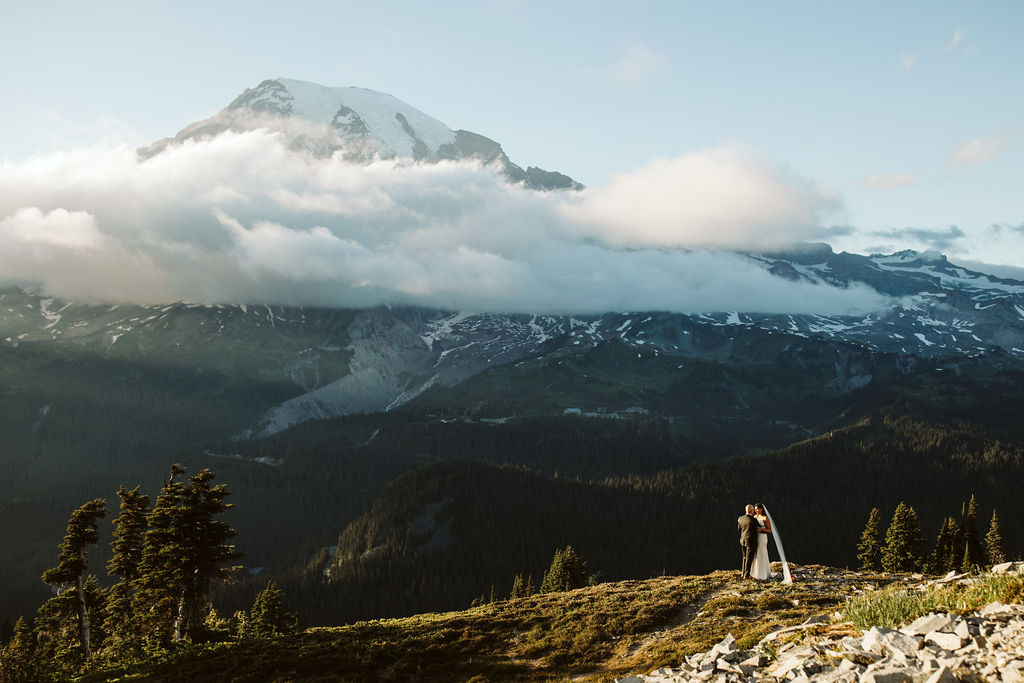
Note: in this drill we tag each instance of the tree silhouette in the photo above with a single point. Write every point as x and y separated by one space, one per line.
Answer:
567 572
903 541
71 563
869 550
994 542
127 546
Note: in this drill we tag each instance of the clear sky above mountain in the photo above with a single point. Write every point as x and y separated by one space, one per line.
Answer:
907 117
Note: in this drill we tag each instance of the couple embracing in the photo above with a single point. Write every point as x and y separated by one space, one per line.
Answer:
754 527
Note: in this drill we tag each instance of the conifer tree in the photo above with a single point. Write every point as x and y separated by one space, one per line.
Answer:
567 572
994 542
185 555
17 658
127 546
869 549
71 563
973 554
268 617
959 538
942 559
57 629
518 587
954 542
903 541
158 585
522 586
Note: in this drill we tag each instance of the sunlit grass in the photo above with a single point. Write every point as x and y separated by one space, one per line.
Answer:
892 608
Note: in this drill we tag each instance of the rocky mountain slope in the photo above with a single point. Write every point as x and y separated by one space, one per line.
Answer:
942 646
335 362
360 124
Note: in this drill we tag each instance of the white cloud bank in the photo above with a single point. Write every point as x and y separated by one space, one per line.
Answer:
241 219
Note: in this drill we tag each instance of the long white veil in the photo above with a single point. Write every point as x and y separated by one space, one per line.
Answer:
786 577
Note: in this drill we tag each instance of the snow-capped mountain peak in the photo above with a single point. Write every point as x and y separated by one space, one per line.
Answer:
360 124
366 119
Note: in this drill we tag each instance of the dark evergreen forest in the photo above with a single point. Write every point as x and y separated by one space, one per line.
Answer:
428 507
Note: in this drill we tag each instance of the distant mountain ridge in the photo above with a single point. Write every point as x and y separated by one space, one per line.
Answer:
341 362
360 124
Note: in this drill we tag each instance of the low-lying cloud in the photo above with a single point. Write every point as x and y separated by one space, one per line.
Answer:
240 219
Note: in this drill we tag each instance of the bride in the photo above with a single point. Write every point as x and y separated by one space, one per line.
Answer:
761 569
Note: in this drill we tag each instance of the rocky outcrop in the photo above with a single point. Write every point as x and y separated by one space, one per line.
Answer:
986 645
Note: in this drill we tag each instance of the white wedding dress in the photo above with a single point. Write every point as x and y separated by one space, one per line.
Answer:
760 569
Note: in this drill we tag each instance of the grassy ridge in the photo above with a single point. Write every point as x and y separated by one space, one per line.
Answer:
594 633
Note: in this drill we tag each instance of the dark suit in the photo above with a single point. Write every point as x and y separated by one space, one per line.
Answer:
747 526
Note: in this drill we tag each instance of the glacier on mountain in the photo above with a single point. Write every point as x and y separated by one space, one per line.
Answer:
360 124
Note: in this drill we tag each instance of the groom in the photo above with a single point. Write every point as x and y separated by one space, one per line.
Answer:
747 526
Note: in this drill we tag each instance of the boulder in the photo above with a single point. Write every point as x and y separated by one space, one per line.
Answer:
962 629
927 624
947 641
880 639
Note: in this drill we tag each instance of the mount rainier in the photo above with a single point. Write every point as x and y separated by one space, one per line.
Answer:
361 124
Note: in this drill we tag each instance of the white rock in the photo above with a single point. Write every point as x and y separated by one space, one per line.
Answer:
785 666
1014 671
927 624
962 629
901 642
1003 568
994 608
847 665
755 661
947 641
943 675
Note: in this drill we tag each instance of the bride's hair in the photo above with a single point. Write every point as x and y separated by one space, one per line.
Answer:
758 506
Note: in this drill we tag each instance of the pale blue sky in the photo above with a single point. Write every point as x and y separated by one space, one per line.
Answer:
911 114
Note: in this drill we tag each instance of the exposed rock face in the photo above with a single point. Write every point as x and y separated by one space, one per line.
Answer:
987 645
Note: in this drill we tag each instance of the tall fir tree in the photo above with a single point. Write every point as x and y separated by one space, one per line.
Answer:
943 559
869 550
158 587
82 531
567 571
185 555
954 545
960 538
127 546
994 542
973 555
903 541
